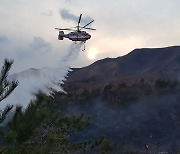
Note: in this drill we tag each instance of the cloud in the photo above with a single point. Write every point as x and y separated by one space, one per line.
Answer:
67 15
69 1
49 13
26 53
3 39
116 24
37 48
5 48
40 46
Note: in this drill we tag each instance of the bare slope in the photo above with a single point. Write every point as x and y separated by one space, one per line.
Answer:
149 63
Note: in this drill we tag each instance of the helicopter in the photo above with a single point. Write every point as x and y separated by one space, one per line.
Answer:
76 34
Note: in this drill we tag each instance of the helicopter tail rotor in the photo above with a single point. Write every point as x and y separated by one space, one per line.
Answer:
61 35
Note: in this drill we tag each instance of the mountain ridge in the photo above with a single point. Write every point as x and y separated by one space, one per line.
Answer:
148 63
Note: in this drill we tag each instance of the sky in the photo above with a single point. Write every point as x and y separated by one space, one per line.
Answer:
27 33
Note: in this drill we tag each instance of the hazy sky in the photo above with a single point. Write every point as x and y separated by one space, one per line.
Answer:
27 32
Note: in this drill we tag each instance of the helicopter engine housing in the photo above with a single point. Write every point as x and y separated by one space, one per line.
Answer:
61 35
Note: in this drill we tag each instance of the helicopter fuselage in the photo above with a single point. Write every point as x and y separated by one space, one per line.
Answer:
75 36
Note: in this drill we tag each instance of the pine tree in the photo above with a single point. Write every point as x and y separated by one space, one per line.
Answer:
6 87
42 129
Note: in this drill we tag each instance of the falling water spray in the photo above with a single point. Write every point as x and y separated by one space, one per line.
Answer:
73 52
35 80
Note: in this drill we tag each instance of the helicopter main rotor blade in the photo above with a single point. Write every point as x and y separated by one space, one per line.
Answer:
64 29
87 24
74 27
89 28
79 20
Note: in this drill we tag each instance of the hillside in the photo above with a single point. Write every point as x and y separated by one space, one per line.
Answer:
147 63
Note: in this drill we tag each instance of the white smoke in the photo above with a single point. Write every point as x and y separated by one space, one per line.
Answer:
33 80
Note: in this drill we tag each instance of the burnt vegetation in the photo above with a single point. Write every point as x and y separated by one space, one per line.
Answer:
123 93
131 114
115 118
